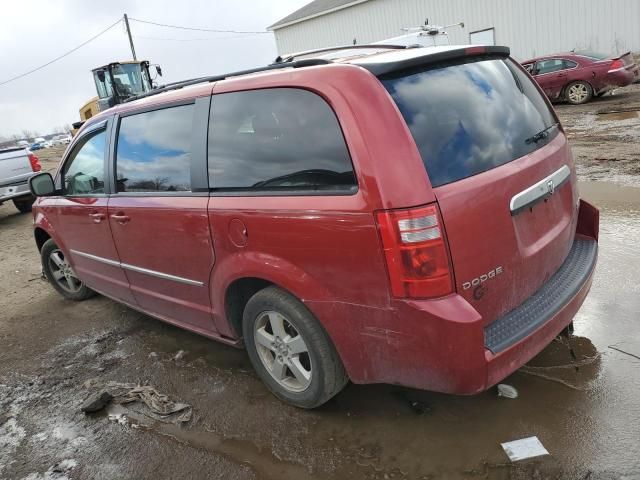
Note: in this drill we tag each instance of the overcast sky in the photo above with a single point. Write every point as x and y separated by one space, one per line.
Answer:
34 32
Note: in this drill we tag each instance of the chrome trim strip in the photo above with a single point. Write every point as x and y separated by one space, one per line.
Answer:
113 263
539 191
165 276
133 268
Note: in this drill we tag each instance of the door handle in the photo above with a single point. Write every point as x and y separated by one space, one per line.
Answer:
97 217
121 218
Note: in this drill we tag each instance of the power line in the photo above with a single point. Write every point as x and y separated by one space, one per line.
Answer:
194 28
61 56
193 39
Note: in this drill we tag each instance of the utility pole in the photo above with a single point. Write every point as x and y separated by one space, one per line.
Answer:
133 50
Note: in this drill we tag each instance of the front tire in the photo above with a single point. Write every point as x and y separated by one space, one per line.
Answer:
578 93
290 351
60 274
24 205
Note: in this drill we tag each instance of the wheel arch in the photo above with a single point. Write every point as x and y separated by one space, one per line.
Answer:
41 236
241 275
236 297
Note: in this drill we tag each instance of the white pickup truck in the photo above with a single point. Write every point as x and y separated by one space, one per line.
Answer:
17 165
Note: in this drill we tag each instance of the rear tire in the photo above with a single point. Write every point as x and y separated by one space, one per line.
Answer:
290 351
60 274
24 205
578 93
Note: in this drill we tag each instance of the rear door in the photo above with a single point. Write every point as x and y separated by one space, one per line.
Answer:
80 216
551 75
158 214
502 172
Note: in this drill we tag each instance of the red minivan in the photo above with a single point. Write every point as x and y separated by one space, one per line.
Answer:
382 215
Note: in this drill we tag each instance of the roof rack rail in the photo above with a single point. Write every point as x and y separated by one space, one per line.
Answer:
214 78
289 57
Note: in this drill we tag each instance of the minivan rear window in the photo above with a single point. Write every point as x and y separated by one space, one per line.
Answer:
467 118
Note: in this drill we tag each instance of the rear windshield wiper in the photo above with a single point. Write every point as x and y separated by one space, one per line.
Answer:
540 135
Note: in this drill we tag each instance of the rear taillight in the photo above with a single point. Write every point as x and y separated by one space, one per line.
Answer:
35 163
416 252
616 65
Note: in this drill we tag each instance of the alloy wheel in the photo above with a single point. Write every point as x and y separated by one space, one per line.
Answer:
282 351
578 93
62 272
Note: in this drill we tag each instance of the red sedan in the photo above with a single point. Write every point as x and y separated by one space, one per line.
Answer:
578 76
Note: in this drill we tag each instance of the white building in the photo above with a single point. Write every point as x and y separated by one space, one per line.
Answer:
530 27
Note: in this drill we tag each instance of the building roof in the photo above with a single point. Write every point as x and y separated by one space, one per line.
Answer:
315 8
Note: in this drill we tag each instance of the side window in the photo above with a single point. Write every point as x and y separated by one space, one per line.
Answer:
83 173
568 64
153 151
278 139
548 66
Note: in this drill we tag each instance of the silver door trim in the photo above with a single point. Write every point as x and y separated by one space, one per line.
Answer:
133 268
113 263
540 190
165 276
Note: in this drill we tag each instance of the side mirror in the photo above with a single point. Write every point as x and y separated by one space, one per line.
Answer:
158 70
100 74
41 185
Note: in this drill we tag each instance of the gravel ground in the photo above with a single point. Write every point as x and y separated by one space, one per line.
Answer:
56 353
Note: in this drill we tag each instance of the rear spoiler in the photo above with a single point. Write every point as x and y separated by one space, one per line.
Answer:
383 68
622 55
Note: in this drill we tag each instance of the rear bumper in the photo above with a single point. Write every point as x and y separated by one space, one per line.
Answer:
621 78
518 336
443 345
9 192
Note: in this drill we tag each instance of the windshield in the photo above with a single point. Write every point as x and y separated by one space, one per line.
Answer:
129 79
467 118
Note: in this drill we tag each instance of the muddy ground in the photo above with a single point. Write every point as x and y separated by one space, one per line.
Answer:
53 353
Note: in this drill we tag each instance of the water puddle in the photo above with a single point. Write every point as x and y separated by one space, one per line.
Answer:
618 115
263 461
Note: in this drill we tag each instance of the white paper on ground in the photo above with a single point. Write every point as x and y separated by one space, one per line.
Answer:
524 448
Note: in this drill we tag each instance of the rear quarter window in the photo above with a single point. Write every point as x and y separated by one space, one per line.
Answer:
467 118
277 140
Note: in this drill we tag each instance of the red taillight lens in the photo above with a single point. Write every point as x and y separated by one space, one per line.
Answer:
35 163
616 65
416 252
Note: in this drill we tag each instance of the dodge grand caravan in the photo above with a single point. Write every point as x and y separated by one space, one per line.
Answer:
396 215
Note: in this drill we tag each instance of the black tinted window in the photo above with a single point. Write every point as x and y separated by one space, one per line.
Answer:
276 139
154 151
84 172
468 118
569 64
548 66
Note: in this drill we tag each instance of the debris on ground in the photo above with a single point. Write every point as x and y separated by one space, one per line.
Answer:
161 406
613 347
418 407
524 448
119 418
507 391
179 355
96 402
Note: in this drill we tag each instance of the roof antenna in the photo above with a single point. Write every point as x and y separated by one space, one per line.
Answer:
354 41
